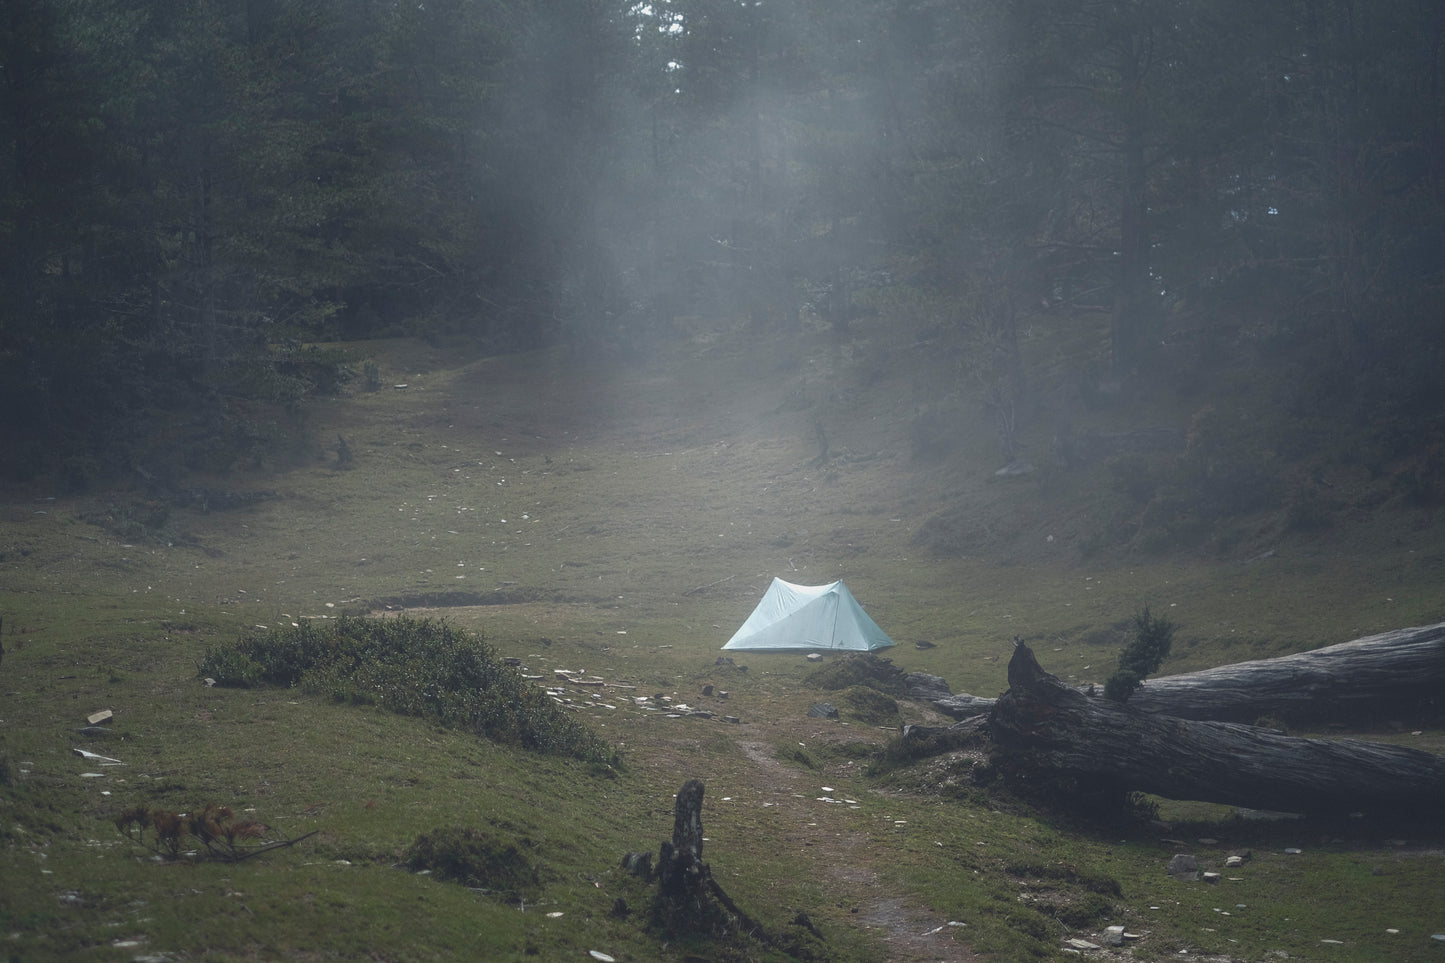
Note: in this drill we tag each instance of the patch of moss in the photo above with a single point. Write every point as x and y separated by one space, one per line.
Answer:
865 669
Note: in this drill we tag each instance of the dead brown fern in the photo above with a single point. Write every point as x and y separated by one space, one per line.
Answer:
220 834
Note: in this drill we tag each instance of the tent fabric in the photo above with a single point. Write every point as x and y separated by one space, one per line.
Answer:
808 618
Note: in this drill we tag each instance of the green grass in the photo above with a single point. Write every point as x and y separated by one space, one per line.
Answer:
622 523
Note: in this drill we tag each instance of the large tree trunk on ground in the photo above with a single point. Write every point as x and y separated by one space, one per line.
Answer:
1047 729
1394 676
1397 675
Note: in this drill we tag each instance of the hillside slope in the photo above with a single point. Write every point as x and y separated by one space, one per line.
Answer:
620 519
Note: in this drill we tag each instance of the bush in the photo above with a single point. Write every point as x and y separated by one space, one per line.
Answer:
1142 657
478 859
416 668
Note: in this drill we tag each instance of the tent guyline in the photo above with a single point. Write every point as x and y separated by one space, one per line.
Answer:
808 618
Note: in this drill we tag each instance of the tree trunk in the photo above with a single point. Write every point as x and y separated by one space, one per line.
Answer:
1394 676
1046 729
1397 675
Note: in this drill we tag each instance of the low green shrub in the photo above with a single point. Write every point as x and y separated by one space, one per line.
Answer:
411 667
480 859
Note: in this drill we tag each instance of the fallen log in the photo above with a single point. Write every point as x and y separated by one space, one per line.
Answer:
1397 675
1045 729
1393 676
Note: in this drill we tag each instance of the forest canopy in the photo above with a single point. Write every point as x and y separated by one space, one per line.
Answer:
191 191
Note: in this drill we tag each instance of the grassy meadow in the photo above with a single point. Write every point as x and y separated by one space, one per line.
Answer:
616 521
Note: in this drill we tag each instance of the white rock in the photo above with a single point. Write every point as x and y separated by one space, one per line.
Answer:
1114 935
1079 944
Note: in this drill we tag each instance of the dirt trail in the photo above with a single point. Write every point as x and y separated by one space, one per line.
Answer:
912 932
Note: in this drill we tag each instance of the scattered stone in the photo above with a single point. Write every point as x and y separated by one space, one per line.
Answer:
1210 877
96 718
824 710
1234 861
924 644
1078 944
1114 935
722 693
1293 852
707 690
814 657
1184 866
733 719
926 686
600 956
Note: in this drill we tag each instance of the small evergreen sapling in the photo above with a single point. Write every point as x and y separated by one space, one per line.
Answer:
1142 657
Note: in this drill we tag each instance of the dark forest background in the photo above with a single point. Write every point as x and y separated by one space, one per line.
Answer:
194 191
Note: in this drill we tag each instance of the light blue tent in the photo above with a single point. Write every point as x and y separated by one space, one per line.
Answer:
808 618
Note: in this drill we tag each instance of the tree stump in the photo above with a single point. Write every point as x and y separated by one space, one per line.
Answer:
680 869
689 902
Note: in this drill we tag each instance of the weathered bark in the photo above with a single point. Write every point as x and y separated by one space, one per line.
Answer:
1393 676
680 870
1398 675
1045 728
689 901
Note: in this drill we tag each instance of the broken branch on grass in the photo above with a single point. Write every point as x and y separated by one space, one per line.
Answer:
704 588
